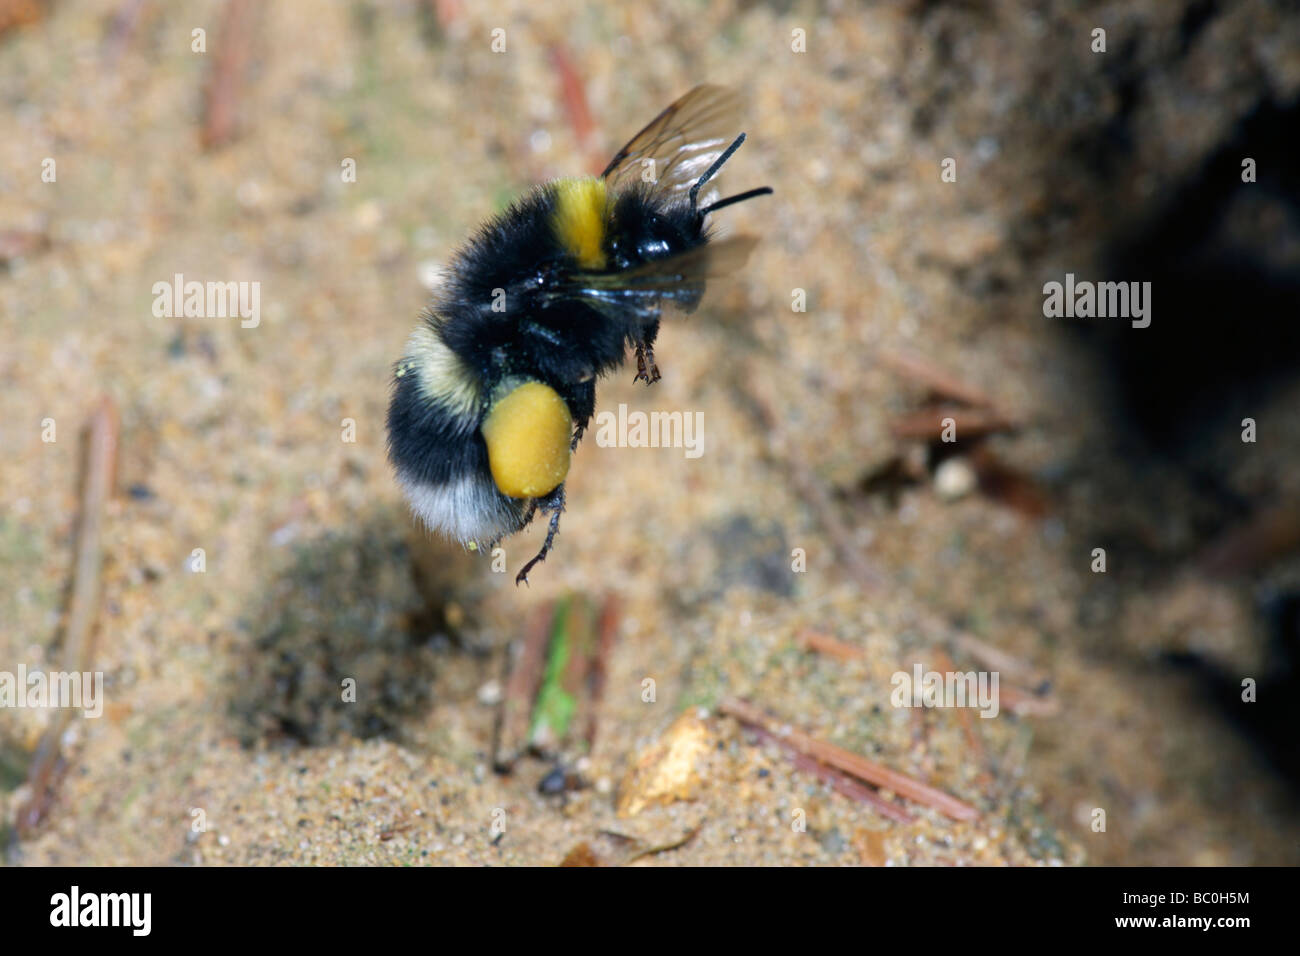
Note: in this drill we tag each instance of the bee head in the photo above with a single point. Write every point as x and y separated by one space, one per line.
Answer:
646 230
644 233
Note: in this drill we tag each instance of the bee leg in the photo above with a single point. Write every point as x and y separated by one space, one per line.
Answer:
646 369
581 399
650 358
554 503
524 521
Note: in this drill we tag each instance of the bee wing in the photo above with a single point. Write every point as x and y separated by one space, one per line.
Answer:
682 142
635 296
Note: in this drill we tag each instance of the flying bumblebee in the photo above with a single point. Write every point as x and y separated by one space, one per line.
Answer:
499 381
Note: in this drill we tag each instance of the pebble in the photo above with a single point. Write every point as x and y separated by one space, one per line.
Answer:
489 695
954 479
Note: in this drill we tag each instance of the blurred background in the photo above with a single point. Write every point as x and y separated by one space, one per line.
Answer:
336 154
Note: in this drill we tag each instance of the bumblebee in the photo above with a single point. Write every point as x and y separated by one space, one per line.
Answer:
498 382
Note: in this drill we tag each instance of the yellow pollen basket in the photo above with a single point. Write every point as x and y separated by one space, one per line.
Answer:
579 218
528 433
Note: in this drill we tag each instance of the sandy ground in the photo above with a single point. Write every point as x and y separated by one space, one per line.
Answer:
223 686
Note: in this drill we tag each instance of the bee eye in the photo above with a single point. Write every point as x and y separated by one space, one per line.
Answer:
653 248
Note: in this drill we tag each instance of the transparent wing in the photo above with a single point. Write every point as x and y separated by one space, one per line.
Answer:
683 141
635 296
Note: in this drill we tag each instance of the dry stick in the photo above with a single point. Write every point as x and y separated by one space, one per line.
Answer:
1025 703
844 784
78 646
227 69
521 690
1269 535
20 13
928 424
945 663
1010 486
573 95
852 763
663 847
581 855
997 659
839 782
21 243
822 644
606 632
936 379
447 11
811 640
577 673
1022 702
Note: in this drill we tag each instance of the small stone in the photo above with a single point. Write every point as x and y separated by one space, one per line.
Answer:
954 479
489 695
667 770
553 783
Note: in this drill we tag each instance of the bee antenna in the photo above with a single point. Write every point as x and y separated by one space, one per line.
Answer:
713 170
750 194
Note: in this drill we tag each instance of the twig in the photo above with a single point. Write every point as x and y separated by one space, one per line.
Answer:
937 380
928 424
227 71
521 690
1271 534
576 679
997 659
446 11
852 763
21 243
581 855
945 663
839 782
1026 703
1019 700
573 95
20 13
1008 485
662 847
606 634
811 640
78 645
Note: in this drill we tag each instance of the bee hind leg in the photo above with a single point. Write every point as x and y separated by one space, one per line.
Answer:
553 503
581 399
527 519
